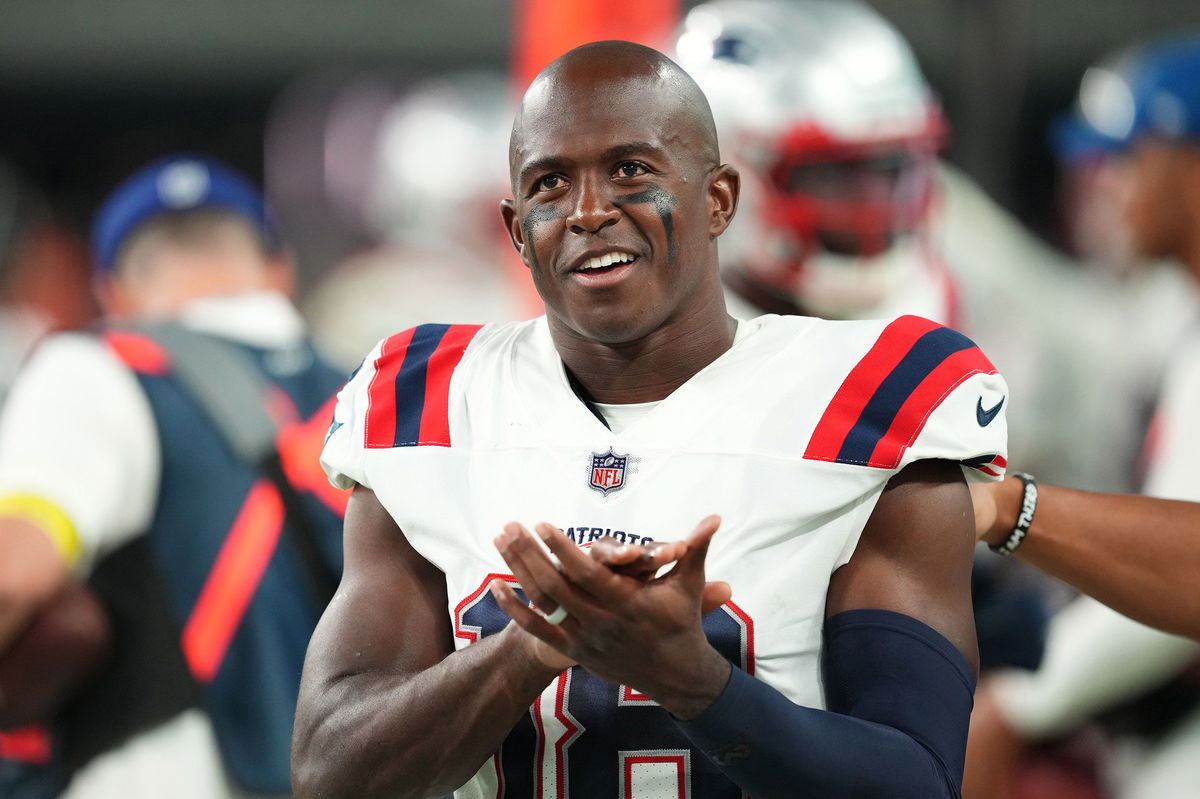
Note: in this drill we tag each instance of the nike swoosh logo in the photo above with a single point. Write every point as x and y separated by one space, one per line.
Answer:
333 429
985 417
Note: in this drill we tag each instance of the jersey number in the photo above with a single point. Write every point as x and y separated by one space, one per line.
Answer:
586 738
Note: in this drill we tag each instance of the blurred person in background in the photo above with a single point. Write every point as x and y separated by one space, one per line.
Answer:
822 107
213 549
44 287
44 280
1097 660
1155 301
848 212
418 174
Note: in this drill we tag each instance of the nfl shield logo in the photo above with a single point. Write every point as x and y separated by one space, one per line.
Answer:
608 471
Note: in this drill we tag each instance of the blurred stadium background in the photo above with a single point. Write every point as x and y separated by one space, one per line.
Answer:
92 90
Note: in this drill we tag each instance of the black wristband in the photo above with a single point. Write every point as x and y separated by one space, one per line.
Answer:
1029 498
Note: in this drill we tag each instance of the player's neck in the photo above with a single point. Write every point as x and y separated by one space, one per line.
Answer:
650 368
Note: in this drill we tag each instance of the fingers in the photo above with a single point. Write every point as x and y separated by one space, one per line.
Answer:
657 555
612 553
703 532
538 575
585 583
553 639
631 560
714 596
691 565
579 567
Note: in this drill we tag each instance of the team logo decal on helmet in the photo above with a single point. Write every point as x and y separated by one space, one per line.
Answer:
608 471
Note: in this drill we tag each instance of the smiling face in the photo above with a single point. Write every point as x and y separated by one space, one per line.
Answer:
619 195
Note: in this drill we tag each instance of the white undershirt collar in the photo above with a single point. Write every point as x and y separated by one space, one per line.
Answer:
263 319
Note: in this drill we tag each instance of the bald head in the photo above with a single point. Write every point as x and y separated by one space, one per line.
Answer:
605 75
619 197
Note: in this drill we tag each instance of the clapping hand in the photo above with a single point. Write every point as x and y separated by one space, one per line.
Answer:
610 611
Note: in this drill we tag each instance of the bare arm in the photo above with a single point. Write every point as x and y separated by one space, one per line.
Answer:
1139 555
914 556
386 706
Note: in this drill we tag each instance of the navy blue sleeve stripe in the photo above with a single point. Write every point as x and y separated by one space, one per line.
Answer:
928 353
411 380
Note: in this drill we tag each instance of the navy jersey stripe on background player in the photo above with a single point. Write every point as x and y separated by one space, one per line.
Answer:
410 391
882 405
211 601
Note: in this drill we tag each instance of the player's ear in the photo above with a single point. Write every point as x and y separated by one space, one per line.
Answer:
724 188
508 211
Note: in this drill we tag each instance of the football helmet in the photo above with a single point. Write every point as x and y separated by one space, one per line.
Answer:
823 107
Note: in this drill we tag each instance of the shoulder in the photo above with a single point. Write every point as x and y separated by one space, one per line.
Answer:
406 381
401 394
905 382
74 358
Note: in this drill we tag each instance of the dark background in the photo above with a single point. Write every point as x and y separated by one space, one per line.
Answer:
90 90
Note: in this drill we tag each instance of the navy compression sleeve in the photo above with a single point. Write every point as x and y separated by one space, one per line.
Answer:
899 697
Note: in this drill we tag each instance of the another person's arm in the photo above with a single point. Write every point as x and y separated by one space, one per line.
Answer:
78 471
32 570
1139 555
901 653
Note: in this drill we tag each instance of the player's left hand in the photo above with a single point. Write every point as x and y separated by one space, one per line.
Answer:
641 631
644 561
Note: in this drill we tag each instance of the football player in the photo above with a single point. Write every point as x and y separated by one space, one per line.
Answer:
848 213
634 408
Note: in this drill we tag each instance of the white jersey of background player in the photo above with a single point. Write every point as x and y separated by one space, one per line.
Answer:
791 435
847 213
1097 659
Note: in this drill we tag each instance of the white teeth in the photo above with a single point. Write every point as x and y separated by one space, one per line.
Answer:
608 259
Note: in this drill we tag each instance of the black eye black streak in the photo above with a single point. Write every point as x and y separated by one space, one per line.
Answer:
536 215
664 202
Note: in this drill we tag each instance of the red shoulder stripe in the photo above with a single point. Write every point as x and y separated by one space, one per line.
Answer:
924 400
860 385
408 399
435 418
380 426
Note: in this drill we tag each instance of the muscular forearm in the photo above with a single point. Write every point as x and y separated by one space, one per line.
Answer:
417 735
1139 555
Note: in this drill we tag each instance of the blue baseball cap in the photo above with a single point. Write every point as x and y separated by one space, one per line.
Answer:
1152 90
176 183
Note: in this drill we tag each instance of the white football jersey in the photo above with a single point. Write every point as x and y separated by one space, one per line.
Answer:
790 436
1175 432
